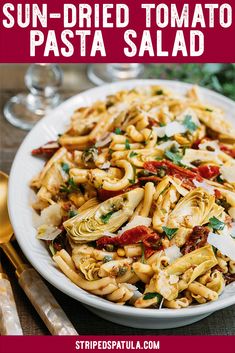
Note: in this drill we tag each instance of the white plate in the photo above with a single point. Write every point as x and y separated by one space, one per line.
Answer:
26 166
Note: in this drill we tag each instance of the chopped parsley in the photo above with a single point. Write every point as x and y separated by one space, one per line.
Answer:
174 157
127 145
164 138
110 151
219 179
65 167
152 295
131 181
118 131
72 213
69 186
189 123
133 154
216 224
208 110
159 92
106 217
170 232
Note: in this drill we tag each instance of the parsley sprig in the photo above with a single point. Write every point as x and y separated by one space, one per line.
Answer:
133 154
152 295
65 167
127 145
170 232
118 131
72 213
69 187
216 224
106 217
189 123
174 157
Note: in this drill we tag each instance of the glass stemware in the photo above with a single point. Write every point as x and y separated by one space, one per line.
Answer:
43 82
106 73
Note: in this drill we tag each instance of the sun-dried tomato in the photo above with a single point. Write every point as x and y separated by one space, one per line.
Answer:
208 171
139 234
197 239
47 150
153 178
227 150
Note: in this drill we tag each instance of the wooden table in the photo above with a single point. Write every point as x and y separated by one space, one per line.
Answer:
75 80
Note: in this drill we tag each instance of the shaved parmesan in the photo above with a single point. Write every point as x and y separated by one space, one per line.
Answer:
170 129
172 253
135 222
228 173
151 113
189 112
192 155
177 184
173 279
204 185
130 286
223 242
136 295
213 146
167 145
119 107
51 215
48 232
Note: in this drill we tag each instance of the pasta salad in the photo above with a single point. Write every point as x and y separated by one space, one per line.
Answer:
136 200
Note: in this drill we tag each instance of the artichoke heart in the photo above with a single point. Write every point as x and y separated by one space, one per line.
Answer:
110 215
192 209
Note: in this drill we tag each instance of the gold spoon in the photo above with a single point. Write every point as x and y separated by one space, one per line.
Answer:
32 284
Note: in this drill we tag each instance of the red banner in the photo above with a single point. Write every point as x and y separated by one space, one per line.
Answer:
117 31
95 344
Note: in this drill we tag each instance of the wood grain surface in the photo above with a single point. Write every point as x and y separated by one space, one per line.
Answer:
75 80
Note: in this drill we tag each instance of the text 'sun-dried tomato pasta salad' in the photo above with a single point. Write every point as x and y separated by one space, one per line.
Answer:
137 199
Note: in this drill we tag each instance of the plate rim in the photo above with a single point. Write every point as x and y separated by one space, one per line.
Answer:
95 301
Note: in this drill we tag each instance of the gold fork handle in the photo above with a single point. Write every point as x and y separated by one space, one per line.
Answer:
15 259
44 302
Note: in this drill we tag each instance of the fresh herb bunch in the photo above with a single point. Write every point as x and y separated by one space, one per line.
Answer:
218 77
